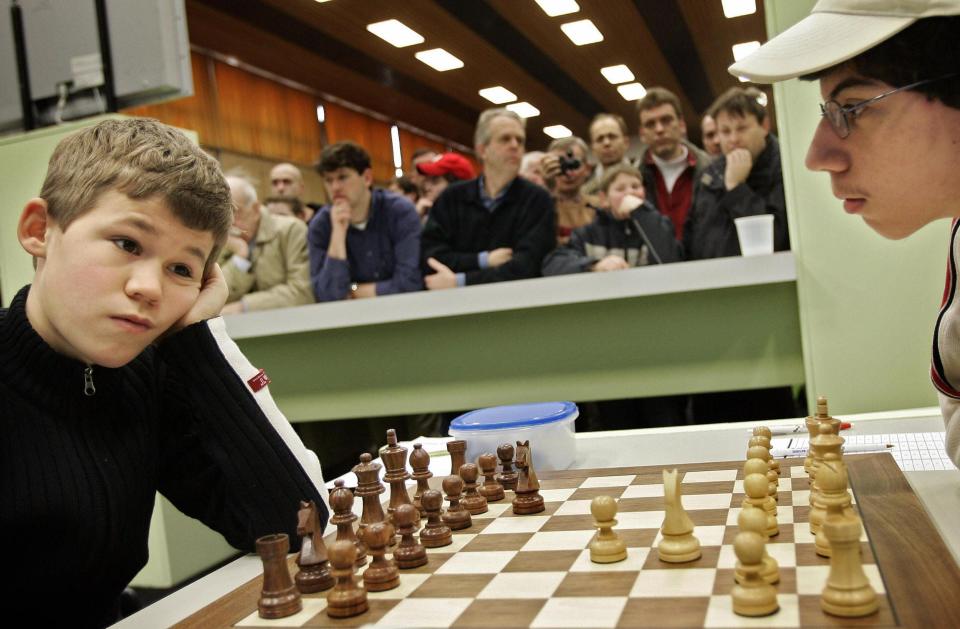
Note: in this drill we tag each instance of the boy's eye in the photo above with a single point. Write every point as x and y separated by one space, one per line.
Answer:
130 246
182 270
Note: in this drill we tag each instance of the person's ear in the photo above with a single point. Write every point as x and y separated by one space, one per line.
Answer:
368 177
766 124
33 227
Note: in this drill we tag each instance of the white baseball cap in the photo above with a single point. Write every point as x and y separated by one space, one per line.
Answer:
835 31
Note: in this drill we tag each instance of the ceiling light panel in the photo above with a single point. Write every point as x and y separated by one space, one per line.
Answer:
553 8
632 91
395 32
524 109
557 131
582 32
736 8
439 59
498 95
617 74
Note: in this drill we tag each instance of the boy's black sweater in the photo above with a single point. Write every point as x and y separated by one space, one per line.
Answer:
78 473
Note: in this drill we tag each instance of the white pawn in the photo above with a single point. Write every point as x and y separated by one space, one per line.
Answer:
753 596
753 520
606 547
759 466
755 486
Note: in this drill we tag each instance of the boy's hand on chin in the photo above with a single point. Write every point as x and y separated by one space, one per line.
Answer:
212 297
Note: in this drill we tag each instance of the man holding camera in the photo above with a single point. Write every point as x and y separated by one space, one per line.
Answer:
566 170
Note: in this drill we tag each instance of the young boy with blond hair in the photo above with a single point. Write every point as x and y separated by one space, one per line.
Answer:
629 233
119 380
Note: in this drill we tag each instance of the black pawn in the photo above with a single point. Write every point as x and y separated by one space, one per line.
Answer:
346 599
435 534
507 476
456 516
409 553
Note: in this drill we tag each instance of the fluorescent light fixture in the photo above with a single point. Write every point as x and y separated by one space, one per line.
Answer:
617 74
398 172
524 109
736 8
321 114
395 141
439 59
395 32
745 49
557 131
553 8
498 95
582 32
743 79
632 91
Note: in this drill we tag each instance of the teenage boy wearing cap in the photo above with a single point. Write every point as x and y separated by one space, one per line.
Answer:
437 175
889 74
366 242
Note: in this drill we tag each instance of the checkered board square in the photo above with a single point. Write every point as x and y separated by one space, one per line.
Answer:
535 571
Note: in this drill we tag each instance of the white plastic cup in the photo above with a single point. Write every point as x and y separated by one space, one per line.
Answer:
755 234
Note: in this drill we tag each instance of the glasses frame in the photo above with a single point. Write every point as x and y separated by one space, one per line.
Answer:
840 122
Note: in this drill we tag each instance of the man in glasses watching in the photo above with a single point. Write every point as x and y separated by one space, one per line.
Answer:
889 74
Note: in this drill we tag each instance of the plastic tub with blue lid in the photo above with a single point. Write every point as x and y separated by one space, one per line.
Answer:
549 426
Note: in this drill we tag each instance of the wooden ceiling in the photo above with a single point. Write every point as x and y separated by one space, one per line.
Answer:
683 45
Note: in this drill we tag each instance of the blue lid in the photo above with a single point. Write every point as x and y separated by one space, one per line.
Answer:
514 416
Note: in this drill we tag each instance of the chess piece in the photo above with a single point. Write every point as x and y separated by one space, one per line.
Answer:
458 452
420 462
759 466
369 489
435 533
456 517
752 596
606 547
279 597
346 599
754 520
825 442
528 499
833 495
409 552
394 458
679 544
314 574
341 501
471 501
507 476
848 592
491 489
382 574
756 488
822 416
767 434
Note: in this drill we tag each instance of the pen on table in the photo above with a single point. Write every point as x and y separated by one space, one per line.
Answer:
857 448
793 429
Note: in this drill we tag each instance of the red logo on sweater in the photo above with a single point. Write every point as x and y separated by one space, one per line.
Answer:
259 381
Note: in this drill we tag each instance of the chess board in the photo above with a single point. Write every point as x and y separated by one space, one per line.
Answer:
535 571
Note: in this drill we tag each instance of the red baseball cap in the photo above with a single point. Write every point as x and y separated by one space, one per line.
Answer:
448 164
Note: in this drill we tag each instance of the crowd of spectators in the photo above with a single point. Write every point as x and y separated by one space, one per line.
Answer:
601 204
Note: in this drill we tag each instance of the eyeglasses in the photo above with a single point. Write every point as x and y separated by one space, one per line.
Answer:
839 116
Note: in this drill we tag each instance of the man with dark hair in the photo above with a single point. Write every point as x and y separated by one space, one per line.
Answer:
670 164
366 242
494 228
890 75
745 181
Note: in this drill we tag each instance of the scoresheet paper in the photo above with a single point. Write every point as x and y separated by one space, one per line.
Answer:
913 451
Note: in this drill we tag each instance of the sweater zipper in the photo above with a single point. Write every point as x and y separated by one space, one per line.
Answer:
88 388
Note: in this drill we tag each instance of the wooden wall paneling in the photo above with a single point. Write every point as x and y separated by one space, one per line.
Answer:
410 142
